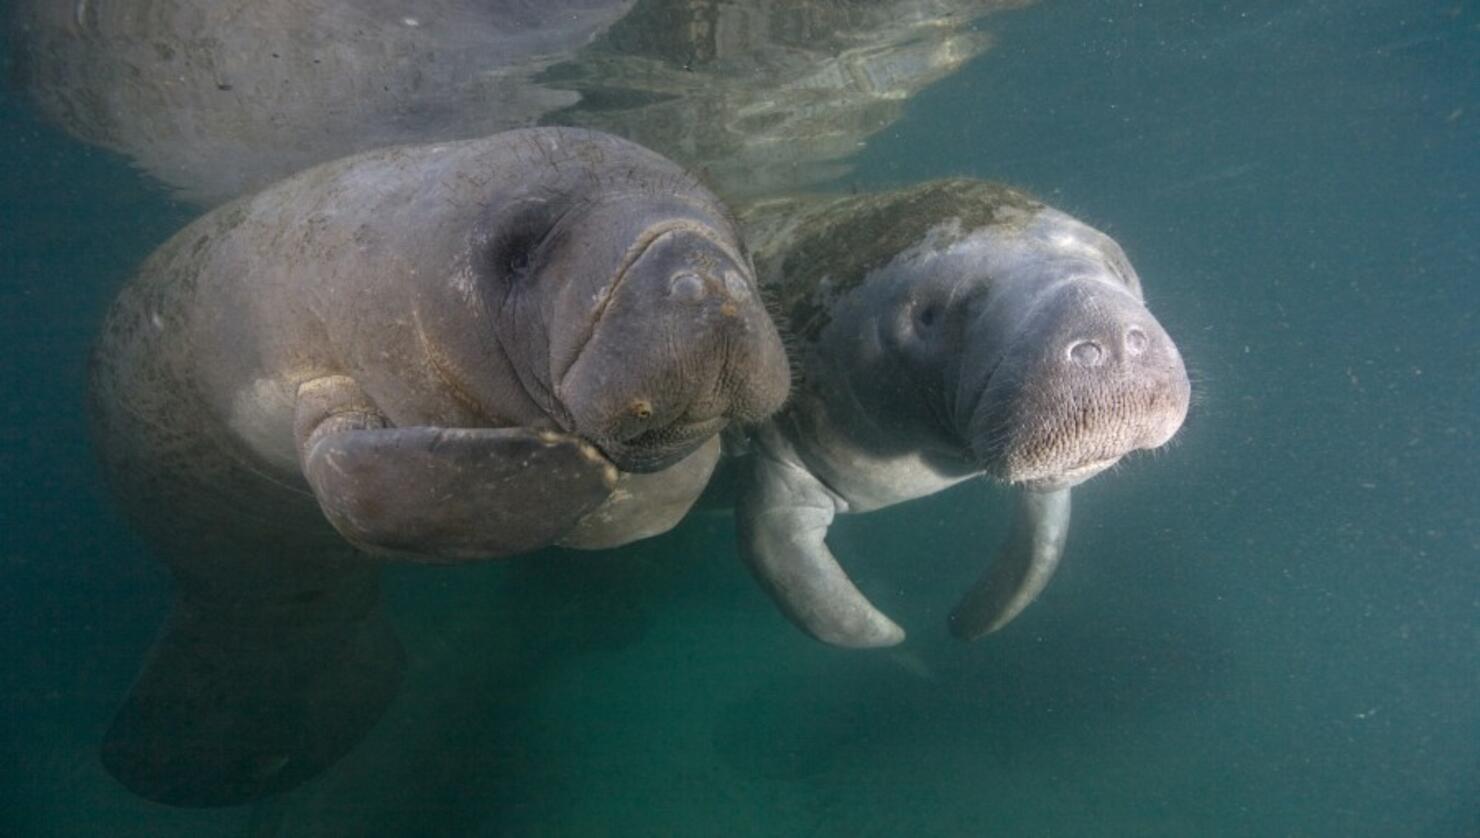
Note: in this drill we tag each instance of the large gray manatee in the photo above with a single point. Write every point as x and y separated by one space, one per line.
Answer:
941 332
444 353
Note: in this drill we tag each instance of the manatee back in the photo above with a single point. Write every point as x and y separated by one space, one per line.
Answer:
811 251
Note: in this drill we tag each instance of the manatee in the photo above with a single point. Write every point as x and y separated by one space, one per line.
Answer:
216 98
435 353
941 332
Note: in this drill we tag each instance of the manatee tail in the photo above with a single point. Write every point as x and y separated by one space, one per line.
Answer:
240 700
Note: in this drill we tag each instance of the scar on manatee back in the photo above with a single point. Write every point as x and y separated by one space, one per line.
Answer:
845 240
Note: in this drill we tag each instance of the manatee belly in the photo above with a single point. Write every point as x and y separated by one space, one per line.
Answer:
206 473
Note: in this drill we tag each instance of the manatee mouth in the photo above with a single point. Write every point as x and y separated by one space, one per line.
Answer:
658 448
1025 437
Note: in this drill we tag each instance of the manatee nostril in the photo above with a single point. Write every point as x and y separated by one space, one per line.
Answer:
1135 341
1086 353
686 286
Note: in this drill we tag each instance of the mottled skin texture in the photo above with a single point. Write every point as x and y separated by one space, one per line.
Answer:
941 332
438 353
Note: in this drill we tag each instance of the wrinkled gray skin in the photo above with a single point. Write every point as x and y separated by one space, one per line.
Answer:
942 332
220 97
439 353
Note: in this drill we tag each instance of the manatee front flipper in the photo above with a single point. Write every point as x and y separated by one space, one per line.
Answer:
243 697
782 518
1022 568
442 493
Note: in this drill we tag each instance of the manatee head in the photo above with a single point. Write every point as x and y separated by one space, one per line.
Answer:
1067 370
1003 336
640 322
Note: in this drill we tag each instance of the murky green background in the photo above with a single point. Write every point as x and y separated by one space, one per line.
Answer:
1271 628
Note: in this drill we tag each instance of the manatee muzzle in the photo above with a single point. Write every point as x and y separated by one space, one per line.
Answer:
680 346
1089 377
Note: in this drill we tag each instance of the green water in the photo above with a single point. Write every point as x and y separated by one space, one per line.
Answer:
1270 628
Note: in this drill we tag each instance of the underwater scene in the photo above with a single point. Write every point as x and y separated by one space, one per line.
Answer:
661 417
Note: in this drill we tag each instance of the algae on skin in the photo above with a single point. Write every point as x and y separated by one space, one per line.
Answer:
810 251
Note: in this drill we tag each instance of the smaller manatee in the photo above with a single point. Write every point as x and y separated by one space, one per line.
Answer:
942 332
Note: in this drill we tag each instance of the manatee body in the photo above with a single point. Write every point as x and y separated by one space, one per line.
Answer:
941 332
217 98
437 353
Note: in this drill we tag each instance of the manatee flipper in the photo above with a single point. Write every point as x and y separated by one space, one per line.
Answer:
782 517
646 504
1022 568
247 698
442 493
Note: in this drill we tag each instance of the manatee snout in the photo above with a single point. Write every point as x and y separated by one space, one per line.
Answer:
683 347
1089 377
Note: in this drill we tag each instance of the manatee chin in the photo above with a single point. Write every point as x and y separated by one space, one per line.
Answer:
1069 478
660 448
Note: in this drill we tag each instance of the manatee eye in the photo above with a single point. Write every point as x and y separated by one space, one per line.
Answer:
515 238
927 316
642 409
512 254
